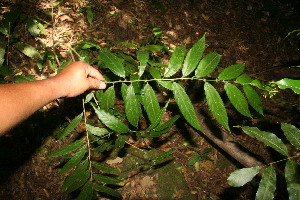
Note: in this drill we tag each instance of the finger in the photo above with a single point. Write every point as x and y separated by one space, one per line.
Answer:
96 84
94 73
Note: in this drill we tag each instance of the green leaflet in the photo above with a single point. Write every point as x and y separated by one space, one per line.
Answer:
163 156
89 97
292 134
291 172
193 57
244 78
106 179
132 107
86 192
186 107
108 98
71 182
90 15
150 103
112 62
28 50
267 185
216 105
74 160
207 65
32 27
101 132
2 51
194 159
176 61
71 126
105 168
253 98
267 138
237 99
153 48
111 121
120 141
167 124
107 190
67 149
289 83
143 57
157 121
232 72
242 176
124 88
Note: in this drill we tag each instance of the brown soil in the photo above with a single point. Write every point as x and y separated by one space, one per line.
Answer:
241 31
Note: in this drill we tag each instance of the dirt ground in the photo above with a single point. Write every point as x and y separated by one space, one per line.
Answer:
253 32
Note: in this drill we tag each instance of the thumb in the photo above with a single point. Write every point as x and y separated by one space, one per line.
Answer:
96 84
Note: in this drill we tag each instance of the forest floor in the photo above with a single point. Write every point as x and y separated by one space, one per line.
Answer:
249 32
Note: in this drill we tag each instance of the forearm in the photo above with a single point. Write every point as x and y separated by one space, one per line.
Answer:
19 101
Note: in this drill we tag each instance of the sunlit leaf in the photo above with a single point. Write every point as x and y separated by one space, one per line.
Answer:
253 98
74 160
67 149
28 50
267 185
176 61
193 57
71 126
106 179
89 97
292 177
150 103
207 65
267 138
216 105
237 99
243 79
108 98
112 62
292 134
101 132
143 57
153 48
111 121
132 107
86 192
2 51
289 83
232 72
108 190
242 176
185 105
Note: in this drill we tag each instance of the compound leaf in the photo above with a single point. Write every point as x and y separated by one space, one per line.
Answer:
108 190
267 185
292 134
237 99
216 105
71 126
289 83
108 98
176 61
254 99
267 138
193 57
242 176
112 62
74 160
232 72
111 121
291 172
67 149
186 107
150 103
207 65
132 107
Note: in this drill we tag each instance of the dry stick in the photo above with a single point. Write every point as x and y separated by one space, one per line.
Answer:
227 145
53 39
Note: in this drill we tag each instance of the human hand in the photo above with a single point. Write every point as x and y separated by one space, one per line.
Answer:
78 77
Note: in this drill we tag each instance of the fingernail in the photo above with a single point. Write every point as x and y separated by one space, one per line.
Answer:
102 85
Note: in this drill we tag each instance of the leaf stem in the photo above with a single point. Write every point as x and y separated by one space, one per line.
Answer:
159 79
